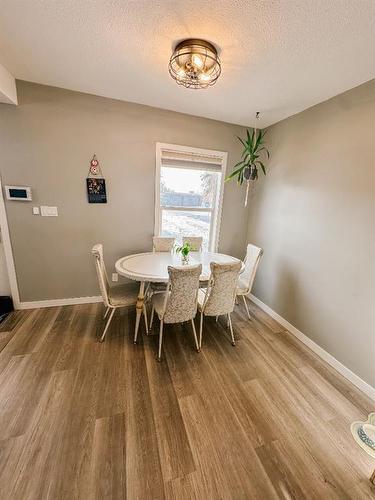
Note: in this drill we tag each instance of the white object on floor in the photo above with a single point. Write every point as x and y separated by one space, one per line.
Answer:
364 434
356 429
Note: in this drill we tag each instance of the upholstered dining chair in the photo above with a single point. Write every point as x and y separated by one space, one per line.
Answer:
179 302
219 297
195 242
162 244
247 277
113 296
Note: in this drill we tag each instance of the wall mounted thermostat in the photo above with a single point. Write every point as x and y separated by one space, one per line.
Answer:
18 193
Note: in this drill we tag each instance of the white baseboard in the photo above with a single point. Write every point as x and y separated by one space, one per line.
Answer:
342 369
60 302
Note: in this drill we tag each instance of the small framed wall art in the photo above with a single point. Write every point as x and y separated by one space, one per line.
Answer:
96 190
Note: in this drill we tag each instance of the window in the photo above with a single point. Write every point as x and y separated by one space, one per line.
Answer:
189 192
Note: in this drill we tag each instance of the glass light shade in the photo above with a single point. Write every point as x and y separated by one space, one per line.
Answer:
195 64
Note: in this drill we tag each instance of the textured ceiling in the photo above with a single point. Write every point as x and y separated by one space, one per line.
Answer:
278 56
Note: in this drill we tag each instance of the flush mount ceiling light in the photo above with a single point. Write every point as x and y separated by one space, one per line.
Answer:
195 64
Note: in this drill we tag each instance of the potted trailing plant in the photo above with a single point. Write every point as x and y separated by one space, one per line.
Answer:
184 250
247 168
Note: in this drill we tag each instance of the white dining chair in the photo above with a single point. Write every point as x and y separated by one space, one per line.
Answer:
179 302
219 297
195 242
162 244
113 296
247 277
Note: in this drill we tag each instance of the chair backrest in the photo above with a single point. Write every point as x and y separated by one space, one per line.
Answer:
252 259
196 242
221 290
182 293
97 252
162 244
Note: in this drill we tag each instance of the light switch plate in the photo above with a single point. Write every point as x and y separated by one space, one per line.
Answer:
48 211
36 210
114 277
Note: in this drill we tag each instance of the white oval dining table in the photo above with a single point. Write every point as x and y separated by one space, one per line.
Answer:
153 267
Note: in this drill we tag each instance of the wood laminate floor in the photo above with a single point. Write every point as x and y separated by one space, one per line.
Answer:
83 420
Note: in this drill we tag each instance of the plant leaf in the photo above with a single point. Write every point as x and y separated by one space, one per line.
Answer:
239 163
262 166
243 143
240 177
235 172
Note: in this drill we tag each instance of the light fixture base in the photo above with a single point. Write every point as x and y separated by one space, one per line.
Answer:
196 41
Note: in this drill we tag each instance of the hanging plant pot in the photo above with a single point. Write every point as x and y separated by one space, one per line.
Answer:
247 168
250 173
253 149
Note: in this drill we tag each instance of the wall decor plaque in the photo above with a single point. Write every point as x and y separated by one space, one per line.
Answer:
96 190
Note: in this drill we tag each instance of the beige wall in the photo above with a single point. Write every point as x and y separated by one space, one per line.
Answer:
314 215
47 142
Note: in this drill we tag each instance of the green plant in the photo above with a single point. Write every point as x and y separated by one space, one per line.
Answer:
247 168
184 250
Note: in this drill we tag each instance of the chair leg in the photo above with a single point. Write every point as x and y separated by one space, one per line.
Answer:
200 331
217 319
145 316
246 306
160 339
106 312
152 317
231 329
107 324
195 336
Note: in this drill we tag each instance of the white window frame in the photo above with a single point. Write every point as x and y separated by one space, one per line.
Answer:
216 214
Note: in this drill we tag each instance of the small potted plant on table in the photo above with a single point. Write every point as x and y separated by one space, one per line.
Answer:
184 250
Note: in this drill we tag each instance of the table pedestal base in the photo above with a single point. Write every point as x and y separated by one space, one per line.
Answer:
139 308
372 478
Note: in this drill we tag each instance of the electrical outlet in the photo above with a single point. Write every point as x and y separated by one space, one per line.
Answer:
114 277
36 210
